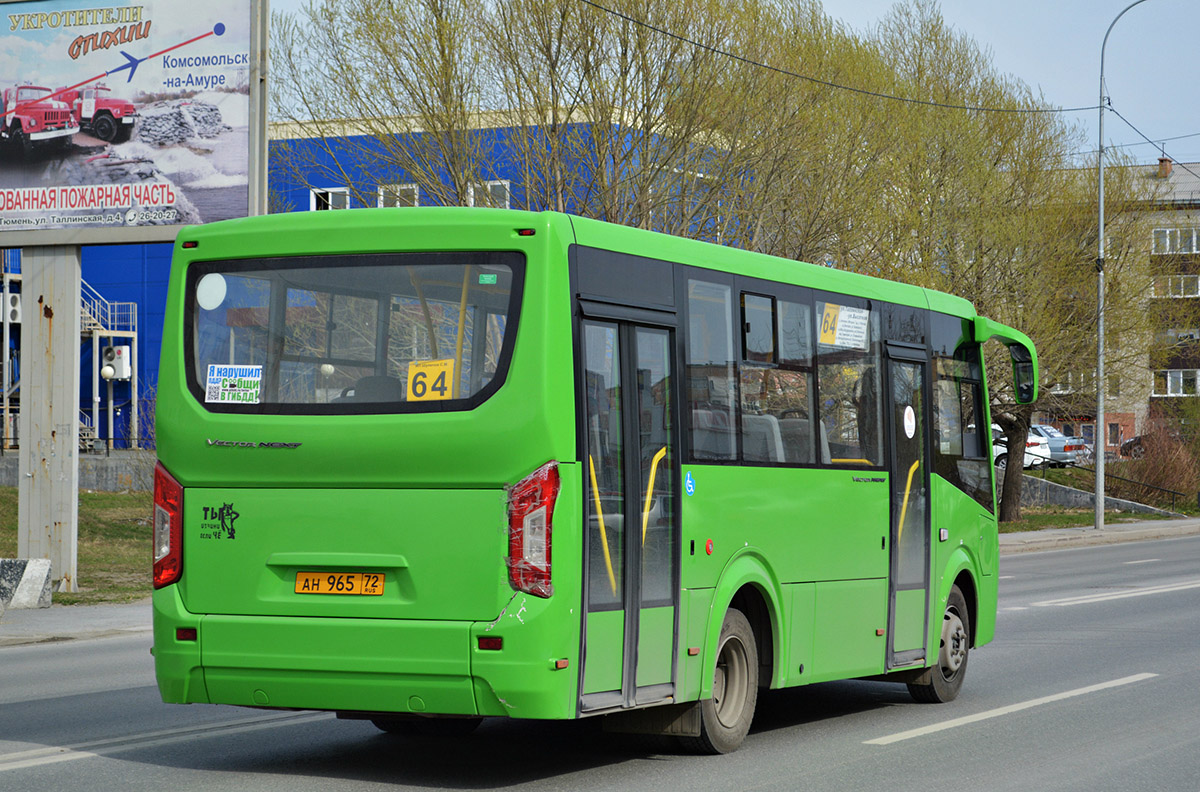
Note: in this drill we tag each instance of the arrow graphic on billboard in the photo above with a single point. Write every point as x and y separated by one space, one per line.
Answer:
131 64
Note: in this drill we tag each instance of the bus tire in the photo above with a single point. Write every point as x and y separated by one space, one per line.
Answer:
942 682
725 718
427 727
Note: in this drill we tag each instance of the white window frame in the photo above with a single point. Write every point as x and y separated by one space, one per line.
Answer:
489 184
1181 335
1170 241
1179 381
1178 287
330 191
396 189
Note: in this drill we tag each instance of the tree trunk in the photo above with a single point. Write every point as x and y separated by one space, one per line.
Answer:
1016 431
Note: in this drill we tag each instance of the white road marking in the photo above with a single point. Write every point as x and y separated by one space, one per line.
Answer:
1143 561
996 713
1014 608
53 754
1115 595
1006 577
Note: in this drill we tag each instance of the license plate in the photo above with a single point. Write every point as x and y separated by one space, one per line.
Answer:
367 583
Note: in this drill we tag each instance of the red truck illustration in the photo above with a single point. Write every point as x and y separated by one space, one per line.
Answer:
32 119
99 113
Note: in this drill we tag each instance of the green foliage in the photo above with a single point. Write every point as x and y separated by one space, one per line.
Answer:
726 122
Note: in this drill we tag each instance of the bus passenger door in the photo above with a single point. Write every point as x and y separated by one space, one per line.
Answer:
908 606
631 547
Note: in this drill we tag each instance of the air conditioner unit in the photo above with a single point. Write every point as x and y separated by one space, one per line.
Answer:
13 309
117 357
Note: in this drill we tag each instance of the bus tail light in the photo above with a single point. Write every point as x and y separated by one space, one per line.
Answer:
168 528
530 508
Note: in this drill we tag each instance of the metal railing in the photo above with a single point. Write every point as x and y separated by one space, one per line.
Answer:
1110 477
100 314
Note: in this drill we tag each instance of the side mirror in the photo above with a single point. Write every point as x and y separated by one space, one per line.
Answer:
1024 373
1025 381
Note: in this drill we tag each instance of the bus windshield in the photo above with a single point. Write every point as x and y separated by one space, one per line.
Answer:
354 333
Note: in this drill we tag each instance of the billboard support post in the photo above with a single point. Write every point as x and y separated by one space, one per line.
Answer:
180 85
49 458
259 68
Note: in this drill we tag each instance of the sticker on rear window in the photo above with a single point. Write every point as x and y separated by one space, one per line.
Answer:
233 384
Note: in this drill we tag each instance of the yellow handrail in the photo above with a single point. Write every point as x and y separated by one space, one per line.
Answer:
612 579
662 452
904 506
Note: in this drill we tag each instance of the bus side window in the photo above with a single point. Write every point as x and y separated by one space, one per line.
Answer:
848 387
960 450
710 382
776 382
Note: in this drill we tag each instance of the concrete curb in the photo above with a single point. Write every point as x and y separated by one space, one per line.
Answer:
1058 538
24 583
75 622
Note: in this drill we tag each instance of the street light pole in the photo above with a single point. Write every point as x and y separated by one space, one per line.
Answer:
1099 435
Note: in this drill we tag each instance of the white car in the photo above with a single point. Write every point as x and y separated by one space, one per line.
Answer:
1037 449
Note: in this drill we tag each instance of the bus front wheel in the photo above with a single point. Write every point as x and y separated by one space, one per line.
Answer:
942 682
725 718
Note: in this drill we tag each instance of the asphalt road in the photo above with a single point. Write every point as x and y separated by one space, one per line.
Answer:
1092 684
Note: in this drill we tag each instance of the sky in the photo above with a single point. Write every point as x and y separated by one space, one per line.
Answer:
1152 77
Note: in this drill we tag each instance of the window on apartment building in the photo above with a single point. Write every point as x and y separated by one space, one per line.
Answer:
1167 241
331 198
1177 286
393 195
1178 335
489 193
1114 434
1175 382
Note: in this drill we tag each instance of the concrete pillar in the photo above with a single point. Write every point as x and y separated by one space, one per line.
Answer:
48 505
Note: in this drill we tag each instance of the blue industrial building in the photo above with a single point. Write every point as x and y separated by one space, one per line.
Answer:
136 276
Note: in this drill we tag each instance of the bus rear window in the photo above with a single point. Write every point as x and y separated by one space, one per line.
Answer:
405 332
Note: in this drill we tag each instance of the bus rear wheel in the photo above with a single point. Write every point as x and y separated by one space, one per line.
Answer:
725 718
942 682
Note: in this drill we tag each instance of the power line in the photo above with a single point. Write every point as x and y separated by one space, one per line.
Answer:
1148 140
1158 142
826 83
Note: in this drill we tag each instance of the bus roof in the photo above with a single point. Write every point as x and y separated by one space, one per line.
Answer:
596 233
381 230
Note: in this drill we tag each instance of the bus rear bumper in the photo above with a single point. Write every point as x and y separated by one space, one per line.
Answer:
375 665
349 665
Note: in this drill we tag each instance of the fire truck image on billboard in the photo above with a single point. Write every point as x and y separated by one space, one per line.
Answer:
32 120
97 112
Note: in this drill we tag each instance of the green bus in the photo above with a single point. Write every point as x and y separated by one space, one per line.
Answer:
430 465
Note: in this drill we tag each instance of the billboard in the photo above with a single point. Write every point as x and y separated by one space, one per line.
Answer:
120 118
